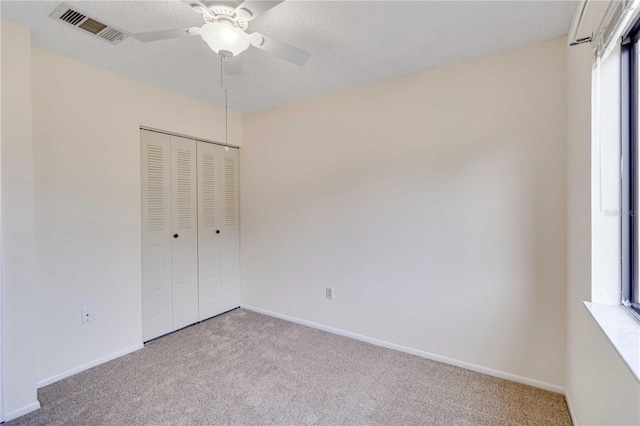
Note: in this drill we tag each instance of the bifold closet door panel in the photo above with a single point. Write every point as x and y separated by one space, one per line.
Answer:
210 215
230 231
185 235
157 310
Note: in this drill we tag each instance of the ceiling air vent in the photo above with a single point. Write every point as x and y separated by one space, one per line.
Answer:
78 19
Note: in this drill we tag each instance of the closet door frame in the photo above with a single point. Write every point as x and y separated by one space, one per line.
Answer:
225 229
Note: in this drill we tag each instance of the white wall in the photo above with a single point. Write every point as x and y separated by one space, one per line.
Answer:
450 242
18 286
601 390
87 202
433 204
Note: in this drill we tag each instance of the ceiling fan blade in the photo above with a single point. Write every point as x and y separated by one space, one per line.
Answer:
197 6
280 48
233 66
251 9
166 34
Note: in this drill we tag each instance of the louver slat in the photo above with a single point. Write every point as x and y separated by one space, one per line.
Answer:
111 34
183 163
208 191
155 188
229 191
72 17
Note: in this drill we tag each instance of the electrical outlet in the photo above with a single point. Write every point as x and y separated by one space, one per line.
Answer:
86 315
329 293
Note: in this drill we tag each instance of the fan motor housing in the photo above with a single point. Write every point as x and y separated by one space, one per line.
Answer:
226 13
229 19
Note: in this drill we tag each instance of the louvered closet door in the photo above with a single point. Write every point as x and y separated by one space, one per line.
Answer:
230 231
184 227
156 235
210 216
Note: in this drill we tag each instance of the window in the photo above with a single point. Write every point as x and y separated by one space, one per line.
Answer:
630 148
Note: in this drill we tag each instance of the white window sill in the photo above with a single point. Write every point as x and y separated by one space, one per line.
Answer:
622 331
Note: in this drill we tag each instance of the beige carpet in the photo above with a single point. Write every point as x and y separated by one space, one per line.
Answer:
248 369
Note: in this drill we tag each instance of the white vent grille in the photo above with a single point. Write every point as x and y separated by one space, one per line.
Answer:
79 19
229 191
72 17
184 188
208 191
155 188
111 34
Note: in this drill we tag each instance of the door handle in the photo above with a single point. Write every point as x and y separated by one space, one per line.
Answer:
175 235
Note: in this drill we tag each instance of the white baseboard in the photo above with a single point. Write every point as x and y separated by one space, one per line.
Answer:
22 411
423 354
571 412
83 367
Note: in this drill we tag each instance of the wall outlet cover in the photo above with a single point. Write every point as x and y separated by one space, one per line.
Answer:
86 315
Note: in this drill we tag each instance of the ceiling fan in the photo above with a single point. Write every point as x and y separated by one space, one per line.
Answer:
225 30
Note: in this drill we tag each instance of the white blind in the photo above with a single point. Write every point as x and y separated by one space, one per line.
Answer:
616 23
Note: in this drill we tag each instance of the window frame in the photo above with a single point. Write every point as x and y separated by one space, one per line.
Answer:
630 169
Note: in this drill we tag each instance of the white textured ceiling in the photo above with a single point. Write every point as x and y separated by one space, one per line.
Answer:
352 43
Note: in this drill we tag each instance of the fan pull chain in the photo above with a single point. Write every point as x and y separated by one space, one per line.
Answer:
226 121
223 61
222 72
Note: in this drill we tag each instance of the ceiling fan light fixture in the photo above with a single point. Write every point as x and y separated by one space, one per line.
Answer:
225 39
